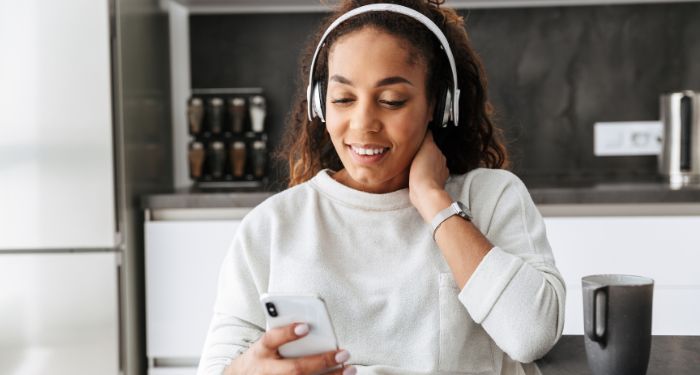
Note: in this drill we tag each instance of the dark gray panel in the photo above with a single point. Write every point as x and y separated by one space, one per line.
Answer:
253 51
552 72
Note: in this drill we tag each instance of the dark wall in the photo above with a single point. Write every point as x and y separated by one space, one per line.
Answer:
552 72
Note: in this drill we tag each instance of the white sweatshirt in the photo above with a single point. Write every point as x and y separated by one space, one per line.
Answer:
390 293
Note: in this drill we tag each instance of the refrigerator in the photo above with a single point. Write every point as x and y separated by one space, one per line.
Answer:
61 245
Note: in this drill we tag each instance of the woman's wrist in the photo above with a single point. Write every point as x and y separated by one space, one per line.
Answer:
430 201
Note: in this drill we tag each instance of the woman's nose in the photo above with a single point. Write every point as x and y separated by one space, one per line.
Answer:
365 117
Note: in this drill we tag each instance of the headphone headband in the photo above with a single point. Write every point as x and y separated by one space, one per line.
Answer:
393 8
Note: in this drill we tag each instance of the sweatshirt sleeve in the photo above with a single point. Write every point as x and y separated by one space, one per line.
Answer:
228 337
238 320
516 293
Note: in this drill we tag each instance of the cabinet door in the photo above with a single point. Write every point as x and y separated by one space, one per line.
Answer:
59 314
667 249
56 154
182 267
173 371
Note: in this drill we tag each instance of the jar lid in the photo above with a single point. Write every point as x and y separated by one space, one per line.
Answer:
257 100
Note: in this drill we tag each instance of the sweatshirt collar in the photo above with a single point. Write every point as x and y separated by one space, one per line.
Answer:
327 185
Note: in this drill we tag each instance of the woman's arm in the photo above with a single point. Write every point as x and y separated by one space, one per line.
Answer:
513 288
462 244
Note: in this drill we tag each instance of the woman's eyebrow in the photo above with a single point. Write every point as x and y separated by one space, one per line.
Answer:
383 82
393 80
340 79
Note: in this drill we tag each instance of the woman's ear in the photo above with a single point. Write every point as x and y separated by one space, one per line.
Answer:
431 111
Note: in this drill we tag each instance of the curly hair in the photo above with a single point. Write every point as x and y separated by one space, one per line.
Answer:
475 143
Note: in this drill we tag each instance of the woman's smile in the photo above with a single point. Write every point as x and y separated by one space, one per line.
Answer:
368 154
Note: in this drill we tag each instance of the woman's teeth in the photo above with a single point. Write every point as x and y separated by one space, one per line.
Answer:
368 151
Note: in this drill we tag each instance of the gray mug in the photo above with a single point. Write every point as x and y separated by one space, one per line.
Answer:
617 323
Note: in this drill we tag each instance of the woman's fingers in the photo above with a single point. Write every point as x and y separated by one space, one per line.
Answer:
276 337
351 370
316 363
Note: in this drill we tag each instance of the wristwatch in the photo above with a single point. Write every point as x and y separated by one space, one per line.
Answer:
456 208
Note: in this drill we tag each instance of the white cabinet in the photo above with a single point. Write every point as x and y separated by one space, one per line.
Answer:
667 249
59 313
183 258
173 371
56 146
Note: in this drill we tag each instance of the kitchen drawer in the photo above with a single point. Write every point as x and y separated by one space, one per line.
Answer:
667 249
173 371
182 267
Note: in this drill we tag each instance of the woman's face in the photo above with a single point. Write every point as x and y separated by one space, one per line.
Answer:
377 110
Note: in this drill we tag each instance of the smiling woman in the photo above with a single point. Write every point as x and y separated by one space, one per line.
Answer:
429 257
478 143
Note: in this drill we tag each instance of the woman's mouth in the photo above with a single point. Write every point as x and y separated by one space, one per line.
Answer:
367 154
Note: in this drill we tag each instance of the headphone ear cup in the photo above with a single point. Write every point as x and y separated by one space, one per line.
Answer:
447 109
318 97
439 114
322 98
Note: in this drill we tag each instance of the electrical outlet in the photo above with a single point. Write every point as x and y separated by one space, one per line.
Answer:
627 138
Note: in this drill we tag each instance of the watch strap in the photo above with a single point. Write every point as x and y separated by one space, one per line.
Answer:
456 208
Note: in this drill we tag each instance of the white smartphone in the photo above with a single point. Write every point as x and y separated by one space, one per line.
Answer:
285 309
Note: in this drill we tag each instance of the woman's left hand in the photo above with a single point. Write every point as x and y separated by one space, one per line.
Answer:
427 178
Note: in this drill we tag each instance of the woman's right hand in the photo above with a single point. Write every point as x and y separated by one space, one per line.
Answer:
263 358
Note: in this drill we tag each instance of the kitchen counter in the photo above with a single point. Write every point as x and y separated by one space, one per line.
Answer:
590 192
191 198
670 355
543 193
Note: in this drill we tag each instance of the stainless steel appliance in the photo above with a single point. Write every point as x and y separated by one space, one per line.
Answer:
59 243
84 132
680 156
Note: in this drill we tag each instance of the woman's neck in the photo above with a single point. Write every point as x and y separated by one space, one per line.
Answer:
397 182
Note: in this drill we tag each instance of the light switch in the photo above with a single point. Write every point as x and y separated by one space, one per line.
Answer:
627 138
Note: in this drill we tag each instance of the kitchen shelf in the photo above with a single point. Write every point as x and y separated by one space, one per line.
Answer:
303 6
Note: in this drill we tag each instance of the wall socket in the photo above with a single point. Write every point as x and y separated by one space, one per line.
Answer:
627 138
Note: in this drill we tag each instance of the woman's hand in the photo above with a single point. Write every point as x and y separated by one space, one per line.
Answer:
263 358
426 179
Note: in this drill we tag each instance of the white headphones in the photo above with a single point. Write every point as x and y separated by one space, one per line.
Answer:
316 93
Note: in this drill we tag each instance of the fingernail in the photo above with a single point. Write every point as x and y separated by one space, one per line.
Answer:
350 371
301 329
342 356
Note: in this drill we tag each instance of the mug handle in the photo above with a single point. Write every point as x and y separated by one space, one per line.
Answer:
592 310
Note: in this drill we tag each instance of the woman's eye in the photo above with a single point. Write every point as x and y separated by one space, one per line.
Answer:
341 101
393 103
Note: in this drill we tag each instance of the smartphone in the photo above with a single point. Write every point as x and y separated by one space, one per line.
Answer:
285 309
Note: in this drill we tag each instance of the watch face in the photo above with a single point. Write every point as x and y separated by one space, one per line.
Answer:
464 211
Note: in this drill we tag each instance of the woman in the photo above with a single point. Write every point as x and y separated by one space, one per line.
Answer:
411 287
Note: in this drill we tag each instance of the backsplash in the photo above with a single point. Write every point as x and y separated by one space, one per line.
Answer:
552 72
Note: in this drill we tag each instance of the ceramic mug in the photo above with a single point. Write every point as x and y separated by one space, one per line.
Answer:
617 323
